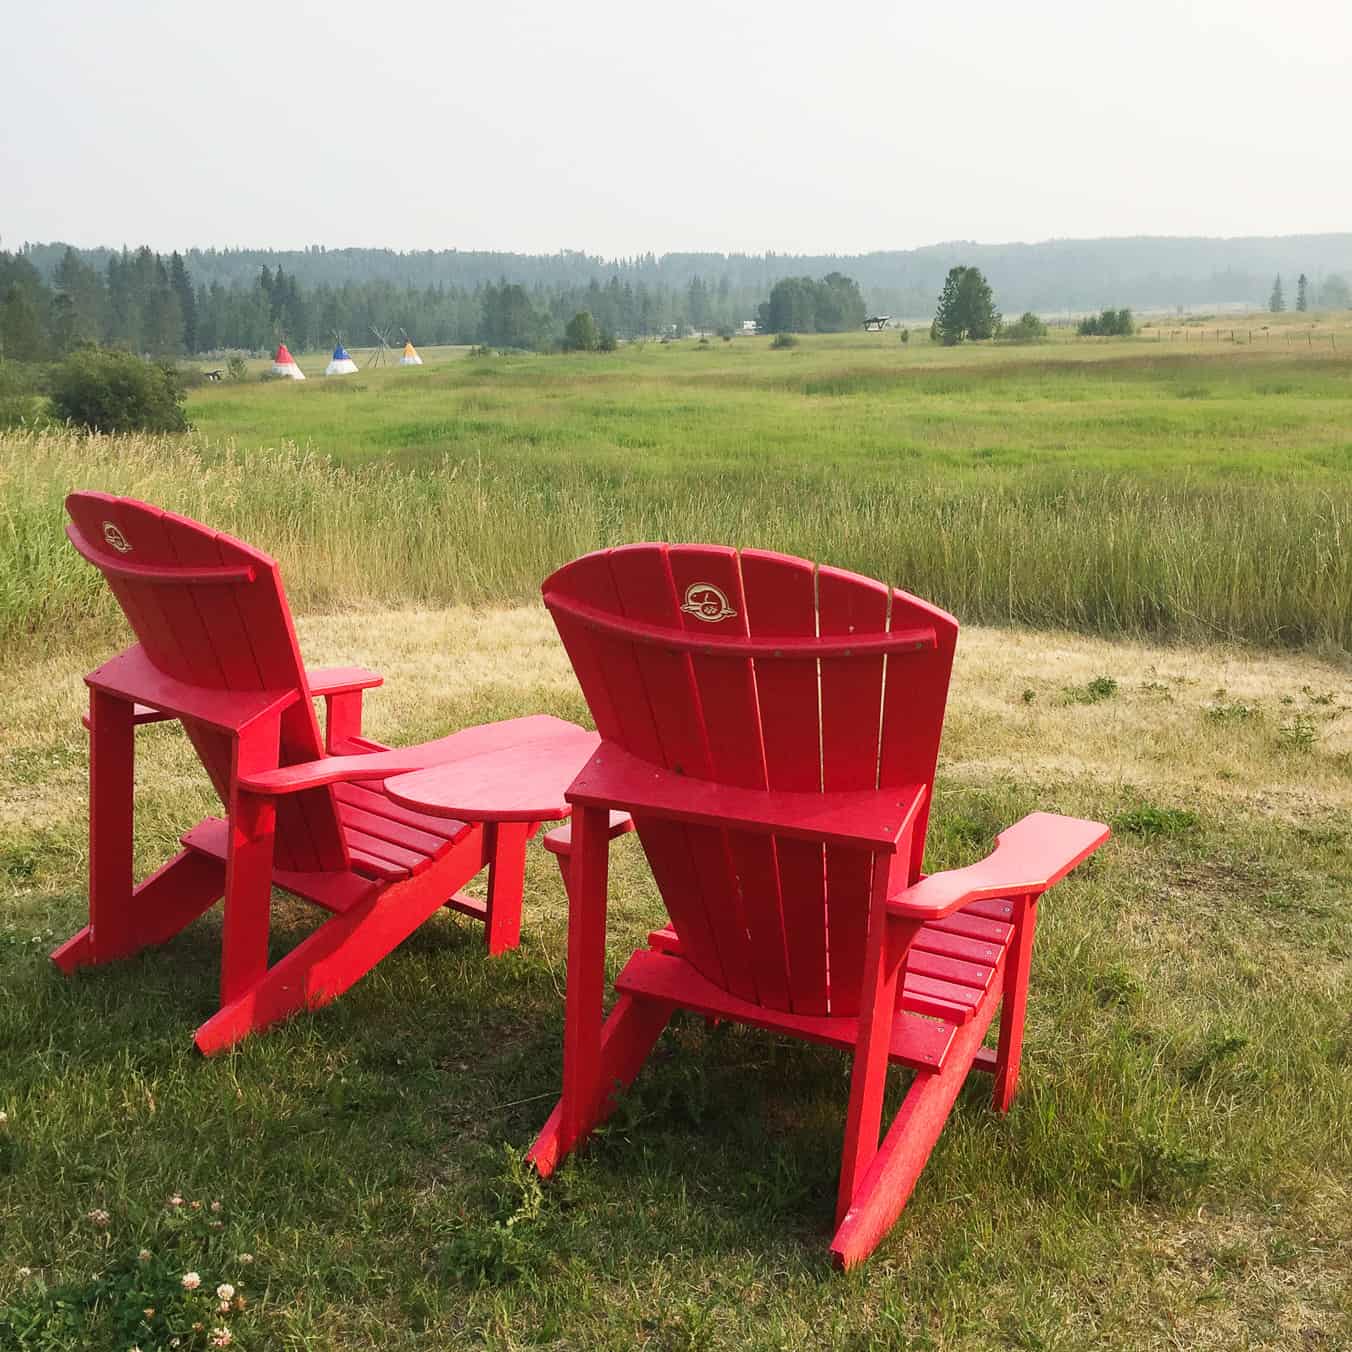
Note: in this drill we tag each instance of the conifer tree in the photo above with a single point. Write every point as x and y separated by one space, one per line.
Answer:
1302 292
1276 301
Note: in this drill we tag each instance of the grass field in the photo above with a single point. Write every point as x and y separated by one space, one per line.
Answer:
1175 1171
1104 486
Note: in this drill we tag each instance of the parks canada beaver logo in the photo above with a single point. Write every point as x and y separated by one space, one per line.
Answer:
116 538
706 602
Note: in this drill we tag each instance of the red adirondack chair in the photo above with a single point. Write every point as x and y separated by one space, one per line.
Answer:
217 650
773 729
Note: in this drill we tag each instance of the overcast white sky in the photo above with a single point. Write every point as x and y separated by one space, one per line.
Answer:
619 128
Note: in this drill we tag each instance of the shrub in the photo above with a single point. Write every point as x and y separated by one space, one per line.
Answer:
784 340
1028 328
109 391
237 369
905 335
1108 324
605 341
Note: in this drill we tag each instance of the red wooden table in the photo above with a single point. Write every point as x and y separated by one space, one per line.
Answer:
510 791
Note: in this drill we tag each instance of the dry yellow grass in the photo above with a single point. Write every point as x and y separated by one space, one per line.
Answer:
1186 724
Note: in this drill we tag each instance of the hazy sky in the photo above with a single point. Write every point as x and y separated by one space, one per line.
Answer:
619 128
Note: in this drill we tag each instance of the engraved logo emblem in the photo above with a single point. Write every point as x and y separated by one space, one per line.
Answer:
706 602
116 538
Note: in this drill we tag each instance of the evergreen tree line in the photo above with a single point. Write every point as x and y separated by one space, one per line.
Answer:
143 302
1056 275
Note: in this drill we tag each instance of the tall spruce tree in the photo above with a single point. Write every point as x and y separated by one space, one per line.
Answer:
1302 292
187 300
1276 301
966 308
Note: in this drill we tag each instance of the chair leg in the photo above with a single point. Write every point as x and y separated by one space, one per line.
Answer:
506 883
887 1184
629 1035
1015 1003
112 923
888 941
343 949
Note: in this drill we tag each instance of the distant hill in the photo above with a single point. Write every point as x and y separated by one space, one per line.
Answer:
1055 275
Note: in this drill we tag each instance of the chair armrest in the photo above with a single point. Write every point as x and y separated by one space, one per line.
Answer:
1029 857
329 681
870 819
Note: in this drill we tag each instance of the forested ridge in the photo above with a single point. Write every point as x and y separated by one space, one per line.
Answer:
53 297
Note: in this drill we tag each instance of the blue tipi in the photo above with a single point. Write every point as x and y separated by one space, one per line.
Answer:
341 364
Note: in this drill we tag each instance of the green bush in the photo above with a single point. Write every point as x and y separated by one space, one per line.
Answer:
784 340
1108 324
1028 328
109 391
237 369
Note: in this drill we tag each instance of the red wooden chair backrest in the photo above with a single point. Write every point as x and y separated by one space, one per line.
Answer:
852 697
210 611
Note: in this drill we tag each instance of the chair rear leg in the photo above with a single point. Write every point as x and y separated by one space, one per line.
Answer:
112 754
1014 1006
629 1035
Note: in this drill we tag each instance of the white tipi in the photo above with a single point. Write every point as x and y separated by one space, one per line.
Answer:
284 364
341 364
410 357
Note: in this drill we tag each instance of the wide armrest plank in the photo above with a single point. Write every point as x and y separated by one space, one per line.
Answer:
873 819
133 677
1029 857
342 680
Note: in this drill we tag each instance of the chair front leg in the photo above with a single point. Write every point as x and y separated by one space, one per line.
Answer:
884 960
1014 1004
112 922
342 719
248 865
582 1086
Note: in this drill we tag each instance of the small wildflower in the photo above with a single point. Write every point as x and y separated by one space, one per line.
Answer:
174 1342
246 1258
198 1326
223 1307
143 1256
217 1225
224 1291
176 1200
99 1217
221 1337
25 1274
215 1206
197 1206
239 1302
149 1312
191 1281
4 1117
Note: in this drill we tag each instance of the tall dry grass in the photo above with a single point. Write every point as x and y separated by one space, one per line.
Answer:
1095 552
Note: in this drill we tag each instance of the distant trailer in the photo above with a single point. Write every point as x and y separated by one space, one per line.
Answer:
877 323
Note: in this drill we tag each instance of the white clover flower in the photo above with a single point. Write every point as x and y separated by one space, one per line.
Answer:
224 1291
246 1258
25 1273
176 1199
99 1217
143 1256
221 1337
191 1281
215 1206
